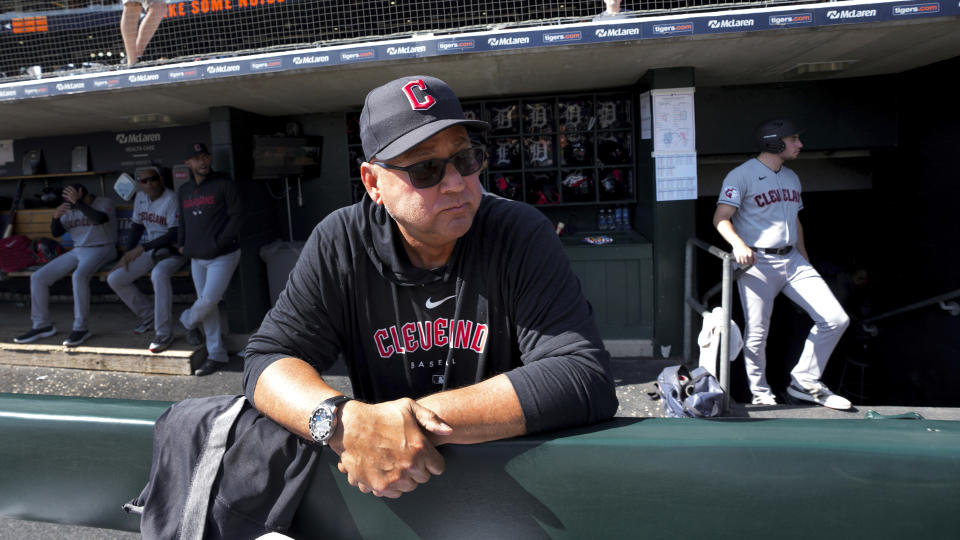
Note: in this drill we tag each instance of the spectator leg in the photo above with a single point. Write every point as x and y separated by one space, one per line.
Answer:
128 29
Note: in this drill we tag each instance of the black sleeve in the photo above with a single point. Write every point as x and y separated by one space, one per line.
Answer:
234 212
162 241
95 216
57 229
306 322
136 233
180 221
565 379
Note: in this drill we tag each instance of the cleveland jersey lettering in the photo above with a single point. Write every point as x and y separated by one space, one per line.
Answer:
86 233
775 196
767 204
155 216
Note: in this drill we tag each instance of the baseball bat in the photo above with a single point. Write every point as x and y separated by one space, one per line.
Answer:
8 231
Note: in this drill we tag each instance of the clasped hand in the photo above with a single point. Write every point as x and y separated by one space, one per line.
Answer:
384 448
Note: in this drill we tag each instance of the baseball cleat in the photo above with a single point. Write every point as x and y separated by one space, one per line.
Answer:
819 394
764 399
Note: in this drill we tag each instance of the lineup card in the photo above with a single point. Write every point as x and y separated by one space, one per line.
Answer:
676 177
674 130
674 144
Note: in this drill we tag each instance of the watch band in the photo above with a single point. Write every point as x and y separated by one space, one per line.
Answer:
323 420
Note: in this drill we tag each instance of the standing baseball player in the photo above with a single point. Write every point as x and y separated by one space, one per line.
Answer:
757 215
92 223
209 233
154 214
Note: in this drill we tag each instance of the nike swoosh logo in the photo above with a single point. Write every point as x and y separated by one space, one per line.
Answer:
431 305
761 178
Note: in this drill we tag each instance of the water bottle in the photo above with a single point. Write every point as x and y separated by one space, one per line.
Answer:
619 218
626 218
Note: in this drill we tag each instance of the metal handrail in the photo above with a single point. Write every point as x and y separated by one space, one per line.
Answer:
939 299
726 288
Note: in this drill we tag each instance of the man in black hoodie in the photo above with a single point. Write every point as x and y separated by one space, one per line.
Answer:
456 311
209 234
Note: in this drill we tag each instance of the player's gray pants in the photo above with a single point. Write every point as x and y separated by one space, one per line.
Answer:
83 262
801 283
160 310
211 278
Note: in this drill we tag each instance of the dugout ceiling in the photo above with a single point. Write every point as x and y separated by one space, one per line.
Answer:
718 60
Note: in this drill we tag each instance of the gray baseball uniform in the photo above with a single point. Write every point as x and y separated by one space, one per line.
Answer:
767 204
156 217
93 247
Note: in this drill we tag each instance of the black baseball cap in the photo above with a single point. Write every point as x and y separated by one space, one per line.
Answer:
196 149
407 111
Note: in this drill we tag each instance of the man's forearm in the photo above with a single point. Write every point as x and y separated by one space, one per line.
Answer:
288 390
481 412
726 230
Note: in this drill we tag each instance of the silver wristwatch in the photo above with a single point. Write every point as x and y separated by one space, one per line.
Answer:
323 420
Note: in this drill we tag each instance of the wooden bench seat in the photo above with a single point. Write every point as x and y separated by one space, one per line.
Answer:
34 223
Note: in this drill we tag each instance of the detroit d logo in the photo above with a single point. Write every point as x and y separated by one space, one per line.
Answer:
417 95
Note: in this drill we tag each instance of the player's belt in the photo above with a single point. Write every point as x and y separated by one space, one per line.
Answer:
773 251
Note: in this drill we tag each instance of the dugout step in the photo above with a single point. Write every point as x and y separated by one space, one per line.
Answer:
50 352
112 347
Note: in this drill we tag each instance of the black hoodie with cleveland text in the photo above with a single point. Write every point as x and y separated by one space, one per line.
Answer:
506 302
210 217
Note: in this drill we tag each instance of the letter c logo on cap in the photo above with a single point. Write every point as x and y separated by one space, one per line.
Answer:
417 95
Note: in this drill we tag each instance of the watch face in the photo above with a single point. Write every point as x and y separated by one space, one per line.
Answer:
321 424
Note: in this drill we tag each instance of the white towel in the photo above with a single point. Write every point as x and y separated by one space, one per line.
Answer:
709 340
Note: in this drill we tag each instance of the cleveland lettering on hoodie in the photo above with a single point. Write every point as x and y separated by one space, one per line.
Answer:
507 301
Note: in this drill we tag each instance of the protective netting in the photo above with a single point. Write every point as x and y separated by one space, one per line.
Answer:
40 37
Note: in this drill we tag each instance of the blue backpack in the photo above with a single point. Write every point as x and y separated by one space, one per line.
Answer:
689 394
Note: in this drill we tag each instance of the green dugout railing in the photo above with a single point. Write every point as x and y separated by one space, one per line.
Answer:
77 460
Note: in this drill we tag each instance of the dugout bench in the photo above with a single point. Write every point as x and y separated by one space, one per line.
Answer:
77 460
34 223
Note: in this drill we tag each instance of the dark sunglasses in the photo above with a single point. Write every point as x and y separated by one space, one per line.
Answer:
428 173
153 178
